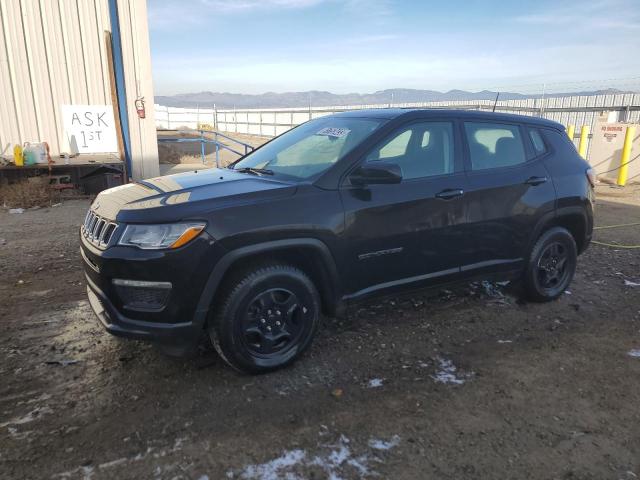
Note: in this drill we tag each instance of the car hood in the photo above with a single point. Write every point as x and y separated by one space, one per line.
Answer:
186 195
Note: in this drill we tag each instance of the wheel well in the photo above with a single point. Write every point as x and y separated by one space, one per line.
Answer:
576 225
307 259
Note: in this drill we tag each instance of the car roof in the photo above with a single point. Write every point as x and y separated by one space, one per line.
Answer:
393 113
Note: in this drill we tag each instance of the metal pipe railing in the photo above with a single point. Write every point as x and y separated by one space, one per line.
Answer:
204 140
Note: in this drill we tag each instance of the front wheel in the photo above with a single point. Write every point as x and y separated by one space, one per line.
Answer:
551 266
267 319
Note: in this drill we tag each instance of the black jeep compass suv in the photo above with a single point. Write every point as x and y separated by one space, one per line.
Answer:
338 209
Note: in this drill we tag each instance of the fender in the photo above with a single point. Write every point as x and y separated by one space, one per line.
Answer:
231 257
550 218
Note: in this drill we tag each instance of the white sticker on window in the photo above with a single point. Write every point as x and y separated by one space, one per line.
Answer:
334 132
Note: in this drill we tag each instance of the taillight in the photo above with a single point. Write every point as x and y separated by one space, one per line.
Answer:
591 175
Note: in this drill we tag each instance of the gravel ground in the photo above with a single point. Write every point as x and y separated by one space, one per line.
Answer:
459 384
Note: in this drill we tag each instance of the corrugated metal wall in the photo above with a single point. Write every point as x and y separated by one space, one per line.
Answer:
52 53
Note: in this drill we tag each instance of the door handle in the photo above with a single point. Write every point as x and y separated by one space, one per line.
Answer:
535 180
450 193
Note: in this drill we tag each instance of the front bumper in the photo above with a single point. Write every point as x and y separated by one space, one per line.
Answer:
181 337
180 324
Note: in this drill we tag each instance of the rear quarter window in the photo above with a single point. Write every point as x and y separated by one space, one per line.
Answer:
539 147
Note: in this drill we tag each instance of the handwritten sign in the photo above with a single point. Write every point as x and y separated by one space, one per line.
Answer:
90 128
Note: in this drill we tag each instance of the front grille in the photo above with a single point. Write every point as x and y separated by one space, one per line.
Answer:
98 230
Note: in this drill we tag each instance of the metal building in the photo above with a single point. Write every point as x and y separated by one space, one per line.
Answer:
55 53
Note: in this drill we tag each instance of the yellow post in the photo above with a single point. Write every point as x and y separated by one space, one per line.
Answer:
571 131
626 155
584 135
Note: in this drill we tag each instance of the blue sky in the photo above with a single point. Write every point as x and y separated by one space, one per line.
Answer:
254 46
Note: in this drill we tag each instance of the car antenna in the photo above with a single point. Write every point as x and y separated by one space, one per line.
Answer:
495 102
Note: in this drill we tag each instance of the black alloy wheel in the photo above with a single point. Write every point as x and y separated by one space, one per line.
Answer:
273 322
267 319
552 264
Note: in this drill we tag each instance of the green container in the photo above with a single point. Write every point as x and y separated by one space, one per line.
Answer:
29 157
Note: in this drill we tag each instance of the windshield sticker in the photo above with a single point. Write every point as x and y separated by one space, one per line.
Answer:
334 132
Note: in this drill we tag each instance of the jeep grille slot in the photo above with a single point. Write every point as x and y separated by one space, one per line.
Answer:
98 230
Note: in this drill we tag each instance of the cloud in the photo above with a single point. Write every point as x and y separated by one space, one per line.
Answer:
227 6
606 15
164 13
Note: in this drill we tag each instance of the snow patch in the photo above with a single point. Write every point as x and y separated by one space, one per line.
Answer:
337 461
448 373
384 444
273 469
629 283
375 383
634 352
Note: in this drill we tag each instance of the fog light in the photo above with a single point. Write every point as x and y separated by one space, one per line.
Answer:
142 295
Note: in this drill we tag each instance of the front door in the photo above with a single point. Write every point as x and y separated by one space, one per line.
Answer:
407 232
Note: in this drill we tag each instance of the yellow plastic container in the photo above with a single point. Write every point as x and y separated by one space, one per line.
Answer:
18 156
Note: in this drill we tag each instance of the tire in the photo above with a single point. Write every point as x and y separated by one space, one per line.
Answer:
267 318
551 266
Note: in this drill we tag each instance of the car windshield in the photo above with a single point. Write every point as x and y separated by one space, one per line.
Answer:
310 149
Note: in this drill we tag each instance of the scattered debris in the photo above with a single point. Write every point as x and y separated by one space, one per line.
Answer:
491 290
567 292
336 392
374 383
634 352
629 283
448 373
16 210
505 341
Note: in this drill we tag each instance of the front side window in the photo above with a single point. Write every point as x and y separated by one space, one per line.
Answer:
494 145
311 148
422 149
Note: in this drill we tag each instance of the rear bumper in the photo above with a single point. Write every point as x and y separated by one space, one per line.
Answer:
180 338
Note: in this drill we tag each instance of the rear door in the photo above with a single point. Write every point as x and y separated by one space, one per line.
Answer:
404 233
508 191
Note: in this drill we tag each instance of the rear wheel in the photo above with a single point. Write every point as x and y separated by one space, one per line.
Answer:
267 319
551 266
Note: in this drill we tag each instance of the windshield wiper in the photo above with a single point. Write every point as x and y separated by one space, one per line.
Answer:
254 170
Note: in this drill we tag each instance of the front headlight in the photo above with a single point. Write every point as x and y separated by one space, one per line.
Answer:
151 237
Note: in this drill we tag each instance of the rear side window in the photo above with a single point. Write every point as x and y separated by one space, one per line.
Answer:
537 141
494 145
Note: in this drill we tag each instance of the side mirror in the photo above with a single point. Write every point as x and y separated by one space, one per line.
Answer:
376 173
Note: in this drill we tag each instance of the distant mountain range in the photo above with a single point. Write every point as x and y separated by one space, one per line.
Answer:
323 99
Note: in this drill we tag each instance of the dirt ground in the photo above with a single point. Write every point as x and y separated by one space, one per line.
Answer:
459 384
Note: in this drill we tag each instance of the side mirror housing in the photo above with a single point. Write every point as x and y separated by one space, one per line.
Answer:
376 173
